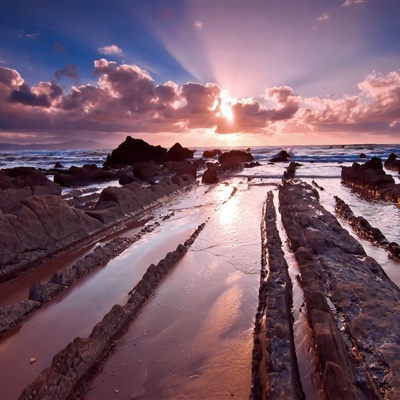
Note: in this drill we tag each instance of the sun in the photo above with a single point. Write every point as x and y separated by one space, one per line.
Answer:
224 106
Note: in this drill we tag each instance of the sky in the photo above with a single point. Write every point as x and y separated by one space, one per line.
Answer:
202 73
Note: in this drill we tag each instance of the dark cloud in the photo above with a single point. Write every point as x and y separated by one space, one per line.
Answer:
26 97
70 71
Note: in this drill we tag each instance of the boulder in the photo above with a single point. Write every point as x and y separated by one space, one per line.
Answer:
362 155
132 151
282 156
182 168
215 173
235 157
43 292
179 153
392 163
212 153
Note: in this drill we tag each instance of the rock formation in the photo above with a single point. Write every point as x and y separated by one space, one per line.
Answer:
235 157
372 180
179 153
212 153
282 156
346 289
392 163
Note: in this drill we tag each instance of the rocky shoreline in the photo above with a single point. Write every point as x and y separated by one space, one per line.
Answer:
350 304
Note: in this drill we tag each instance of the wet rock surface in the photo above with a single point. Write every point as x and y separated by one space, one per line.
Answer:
274 368
73 367
364 229
215 173
235 157
352 306
392 163
39 226
372 180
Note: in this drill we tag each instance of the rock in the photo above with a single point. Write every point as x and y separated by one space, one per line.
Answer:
215 173
38 226
290 170
43 292
211 153
362 155
372 180
58 165
132 151
145 171
252 164
182 168
235 157
179 153
13 313
282 156
21 182
392 163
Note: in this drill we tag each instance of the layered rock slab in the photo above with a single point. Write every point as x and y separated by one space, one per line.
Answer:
274 368
346 289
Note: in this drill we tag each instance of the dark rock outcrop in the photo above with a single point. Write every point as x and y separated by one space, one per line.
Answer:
290 172
252 164
282 156
132 151
360 360
215 173
372 180
116 203
212 153
235 157
145 171
362 155
89 173
179 153
274 367
392 164
182 168
18 183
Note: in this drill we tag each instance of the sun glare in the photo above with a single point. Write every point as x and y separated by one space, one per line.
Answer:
225 106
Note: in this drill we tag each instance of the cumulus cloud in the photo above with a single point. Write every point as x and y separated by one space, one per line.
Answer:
107 50
70 71
126 99
351 2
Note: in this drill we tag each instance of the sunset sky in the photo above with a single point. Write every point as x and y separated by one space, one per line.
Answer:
204 73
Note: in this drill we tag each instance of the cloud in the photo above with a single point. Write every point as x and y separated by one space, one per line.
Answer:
26 35
126 99
348 3
198 25
59 48
323 18
70 71
107 50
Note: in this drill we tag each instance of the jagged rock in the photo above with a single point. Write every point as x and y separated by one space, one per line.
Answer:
132 151
235 157
21 182
179 153
282 156
392 163
372 179
211 153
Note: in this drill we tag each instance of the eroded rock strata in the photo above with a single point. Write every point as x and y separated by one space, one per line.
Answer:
274 368
38 226
73 367
371 179
364 229
352 306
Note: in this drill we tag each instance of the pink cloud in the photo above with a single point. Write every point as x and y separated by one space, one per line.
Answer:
107 50
127 100
70 71
351 2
